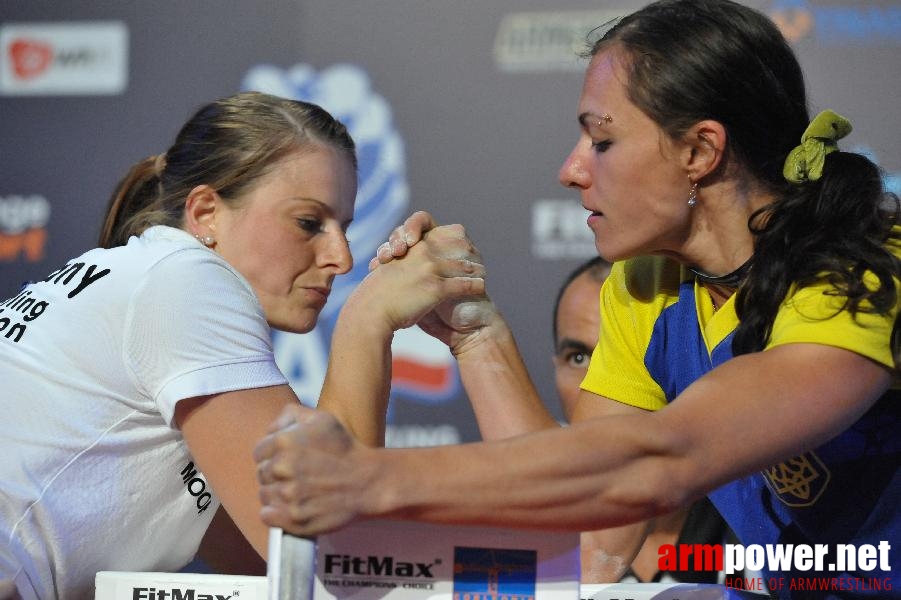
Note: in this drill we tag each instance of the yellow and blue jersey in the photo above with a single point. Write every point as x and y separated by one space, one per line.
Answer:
660 333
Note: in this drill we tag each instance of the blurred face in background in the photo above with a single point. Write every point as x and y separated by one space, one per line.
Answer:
578 324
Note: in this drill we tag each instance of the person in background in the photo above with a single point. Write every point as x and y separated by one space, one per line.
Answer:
138 376
749 349
576 325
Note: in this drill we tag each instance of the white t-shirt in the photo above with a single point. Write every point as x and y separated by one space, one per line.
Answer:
93 359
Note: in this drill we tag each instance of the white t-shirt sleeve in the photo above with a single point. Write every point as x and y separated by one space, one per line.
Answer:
194 327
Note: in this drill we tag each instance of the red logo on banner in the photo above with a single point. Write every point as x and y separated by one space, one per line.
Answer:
422 377
422 365
30 58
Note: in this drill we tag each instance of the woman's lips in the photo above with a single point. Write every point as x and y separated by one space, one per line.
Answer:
319 293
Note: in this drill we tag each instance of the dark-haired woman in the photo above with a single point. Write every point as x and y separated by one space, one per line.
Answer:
747 351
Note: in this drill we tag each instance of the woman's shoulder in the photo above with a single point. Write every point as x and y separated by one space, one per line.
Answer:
166 259
163 241
144 250
171 252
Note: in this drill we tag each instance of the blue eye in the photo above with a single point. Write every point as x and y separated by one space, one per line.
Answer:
601 146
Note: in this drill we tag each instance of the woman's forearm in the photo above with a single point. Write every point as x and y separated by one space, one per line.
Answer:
358 379
606 473
499 387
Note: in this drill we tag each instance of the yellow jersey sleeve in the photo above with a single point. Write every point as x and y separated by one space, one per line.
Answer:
632 298
815 315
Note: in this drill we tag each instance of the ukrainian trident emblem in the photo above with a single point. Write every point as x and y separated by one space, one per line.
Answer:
799 481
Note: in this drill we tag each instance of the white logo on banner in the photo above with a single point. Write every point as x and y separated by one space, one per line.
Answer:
20 213
546 41
63 58
423 369
559 230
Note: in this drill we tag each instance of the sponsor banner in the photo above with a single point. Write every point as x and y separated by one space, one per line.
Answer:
122 585
89 58
23 227
396 560
547 41
559 230
846 24
409 436
422 367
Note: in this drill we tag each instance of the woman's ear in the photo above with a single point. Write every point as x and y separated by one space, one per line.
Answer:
200 210
706 142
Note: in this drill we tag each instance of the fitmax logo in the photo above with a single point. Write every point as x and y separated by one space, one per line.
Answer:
343 564
140 593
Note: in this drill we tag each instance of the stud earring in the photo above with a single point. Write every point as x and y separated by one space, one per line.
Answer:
693 194
206 240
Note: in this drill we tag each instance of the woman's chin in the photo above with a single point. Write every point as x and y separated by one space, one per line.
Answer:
605 252
304 324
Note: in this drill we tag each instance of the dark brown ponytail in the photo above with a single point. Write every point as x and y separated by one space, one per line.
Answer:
134 192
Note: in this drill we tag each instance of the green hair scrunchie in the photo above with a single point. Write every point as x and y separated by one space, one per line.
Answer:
805 162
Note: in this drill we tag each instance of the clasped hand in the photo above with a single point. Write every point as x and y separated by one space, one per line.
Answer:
458 317
442 266
311 473
314 476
